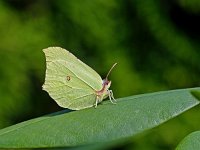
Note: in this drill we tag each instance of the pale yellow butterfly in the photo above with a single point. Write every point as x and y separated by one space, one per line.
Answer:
72 83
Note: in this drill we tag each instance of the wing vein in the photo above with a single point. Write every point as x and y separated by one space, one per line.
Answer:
80 97
80 78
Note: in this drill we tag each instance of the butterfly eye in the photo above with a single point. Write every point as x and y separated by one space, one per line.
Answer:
68 78
107 82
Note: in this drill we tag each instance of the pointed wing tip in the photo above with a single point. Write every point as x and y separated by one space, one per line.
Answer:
52 48
45 50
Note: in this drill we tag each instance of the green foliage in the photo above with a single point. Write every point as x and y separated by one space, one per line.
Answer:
190 142
103 124
196 94
19 53
155 43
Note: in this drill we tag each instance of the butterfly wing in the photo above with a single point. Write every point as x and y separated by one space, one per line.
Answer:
70 82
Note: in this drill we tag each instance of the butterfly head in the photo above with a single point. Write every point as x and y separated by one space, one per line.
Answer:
106 83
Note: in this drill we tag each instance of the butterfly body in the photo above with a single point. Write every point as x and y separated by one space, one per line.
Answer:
105 88
71 83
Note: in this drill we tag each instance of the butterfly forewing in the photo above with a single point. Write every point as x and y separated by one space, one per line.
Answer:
83 71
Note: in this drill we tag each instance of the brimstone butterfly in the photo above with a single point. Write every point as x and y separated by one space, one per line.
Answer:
72 83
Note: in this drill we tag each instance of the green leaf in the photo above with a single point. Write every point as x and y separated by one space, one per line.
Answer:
196 94
190 142
108 122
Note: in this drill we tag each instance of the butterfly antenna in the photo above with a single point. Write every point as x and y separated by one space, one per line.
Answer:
111 69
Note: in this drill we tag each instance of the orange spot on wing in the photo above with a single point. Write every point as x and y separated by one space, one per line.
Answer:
68 78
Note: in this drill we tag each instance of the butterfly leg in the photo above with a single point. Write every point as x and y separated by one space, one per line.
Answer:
110 94
96 102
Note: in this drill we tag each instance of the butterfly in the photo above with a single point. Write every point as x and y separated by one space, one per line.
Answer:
72 83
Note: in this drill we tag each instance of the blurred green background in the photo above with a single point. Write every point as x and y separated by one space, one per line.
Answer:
156 45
